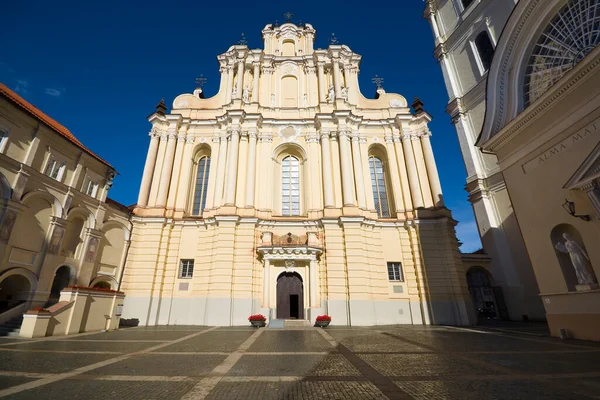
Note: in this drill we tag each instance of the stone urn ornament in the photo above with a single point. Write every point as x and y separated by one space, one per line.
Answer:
257 321
579 260
323 321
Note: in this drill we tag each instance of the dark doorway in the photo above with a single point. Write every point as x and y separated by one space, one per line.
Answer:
290 295
61 281
482 293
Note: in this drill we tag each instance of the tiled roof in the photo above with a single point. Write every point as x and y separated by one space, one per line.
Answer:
40 116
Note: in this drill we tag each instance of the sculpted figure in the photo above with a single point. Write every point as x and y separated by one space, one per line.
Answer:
234 91
246 95
579 259
344 93
331 94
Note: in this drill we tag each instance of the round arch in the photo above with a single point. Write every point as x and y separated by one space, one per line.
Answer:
57 209
289 148
85 214
290 295
16 286
5 189
104 279
480 284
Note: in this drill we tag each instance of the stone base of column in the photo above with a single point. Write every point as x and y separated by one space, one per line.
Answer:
351 211
149 212
332 212
247 211
315 214
226 210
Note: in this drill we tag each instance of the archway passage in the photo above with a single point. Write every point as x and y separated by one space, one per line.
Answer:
290 296
62 278
102 285
14 290
482 293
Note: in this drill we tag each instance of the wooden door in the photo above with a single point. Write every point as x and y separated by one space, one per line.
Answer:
290 290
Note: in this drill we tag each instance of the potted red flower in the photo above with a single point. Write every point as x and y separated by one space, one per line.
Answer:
257 321
323 321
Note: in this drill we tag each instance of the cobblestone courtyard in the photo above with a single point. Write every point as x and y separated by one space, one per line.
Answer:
336 363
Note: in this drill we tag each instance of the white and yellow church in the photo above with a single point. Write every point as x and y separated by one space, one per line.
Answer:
290 194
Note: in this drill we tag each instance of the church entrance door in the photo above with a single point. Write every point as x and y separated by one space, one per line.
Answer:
290 296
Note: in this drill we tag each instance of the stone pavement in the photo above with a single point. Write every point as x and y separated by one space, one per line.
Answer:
395 362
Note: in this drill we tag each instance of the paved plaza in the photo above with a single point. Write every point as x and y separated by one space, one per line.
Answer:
396 362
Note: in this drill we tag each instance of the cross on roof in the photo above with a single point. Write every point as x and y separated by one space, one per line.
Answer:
333 39
243 40
378 81
201 81
288 16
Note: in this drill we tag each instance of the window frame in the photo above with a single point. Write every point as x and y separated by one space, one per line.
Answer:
186 268
5 133
477 54
377 195
392 276
290 196
204 187
60 171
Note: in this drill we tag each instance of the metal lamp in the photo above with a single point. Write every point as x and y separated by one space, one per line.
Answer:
569 207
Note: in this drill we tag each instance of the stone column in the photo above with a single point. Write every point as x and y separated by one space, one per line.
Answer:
165 176
358 172
185 182
422 170
212 174
322 89
313 282
240 78
408 205
266 283
337 78
148 170
232 165
394 175
159 166
255 90
411 168
251 170
432 172
327 173
220 175
176 173
347 170
229 84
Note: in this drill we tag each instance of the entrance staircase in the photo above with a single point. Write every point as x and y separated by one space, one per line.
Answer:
11 327
296 323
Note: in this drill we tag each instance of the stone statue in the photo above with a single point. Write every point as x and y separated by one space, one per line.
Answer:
234 91
579 259
331 94
305 100
246 95
272 100
344 93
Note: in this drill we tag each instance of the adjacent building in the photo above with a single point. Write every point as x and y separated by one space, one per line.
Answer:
291 194
466 35
57 226
542 121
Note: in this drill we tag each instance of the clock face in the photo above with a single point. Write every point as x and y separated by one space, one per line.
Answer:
571 35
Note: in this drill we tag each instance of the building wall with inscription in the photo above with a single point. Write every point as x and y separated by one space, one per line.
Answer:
57 226
291 194
460 29
548 149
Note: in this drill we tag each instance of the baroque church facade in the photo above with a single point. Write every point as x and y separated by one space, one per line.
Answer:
290 194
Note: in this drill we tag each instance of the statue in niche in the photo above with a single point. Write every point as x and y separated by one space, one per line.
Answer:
234 91
331 94
246 95
579 259
344 93
305 100
273 100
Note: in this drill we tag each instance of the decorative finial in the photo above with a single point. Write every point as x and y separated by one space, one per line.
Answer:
417 105
243 40
201 81
378 81
161 107
288 16
333 40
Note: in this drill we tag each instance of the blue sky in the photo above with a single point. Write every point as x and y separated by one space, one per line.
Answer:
99 68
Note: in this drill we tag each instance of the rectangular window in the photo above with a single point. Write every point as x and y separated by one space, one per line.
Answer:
3 140
395 271
55 168
90 188
186 269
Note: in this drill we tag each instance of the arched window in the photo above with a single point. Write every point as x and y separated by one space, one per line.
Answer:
380 196
201 185
485 49
290 186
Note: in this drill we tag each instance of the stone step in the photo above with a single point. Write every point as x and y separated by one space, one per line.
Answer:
294 323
